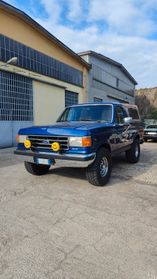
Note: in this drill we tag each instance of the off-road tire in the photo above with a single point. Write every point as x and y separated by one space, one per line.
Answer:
133 154
36 169
93 171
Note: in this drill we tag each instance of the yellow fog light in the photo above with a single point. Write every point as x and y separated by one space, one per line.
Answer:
55 146
27 143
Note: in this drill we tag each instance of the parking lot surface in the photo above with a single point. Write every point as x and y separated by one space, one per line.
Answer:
60 226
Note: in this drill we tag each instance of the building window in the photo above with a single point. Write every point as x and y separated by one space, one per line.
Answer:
38 62
16 97
97 100
117 82
71 98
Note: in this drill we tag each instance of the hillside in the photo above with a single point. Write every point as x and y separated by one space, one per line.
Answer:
146 99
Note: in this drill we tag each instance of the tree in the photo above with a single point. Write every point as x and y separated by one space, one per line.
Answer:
153 113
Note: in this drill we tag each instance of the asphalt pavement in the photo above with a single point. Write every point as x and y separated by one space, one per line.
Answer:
59 226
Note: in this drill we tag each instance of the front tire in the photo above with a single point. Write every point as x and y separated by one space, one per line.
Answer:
36 169
99 172
133 154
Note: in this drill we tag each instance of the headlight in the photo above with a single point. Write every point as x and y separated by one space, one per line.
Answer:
80 141
20 138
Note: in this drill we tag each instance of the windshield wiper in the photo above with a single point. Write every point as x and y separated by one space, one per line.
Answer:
84 119
94 120
62 121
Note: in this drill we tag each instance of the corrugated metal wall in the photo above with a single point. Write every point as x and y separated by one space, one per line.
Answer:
108 82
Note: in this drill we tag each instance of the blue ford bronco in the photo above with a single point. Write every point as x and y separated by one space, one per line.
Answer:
89 134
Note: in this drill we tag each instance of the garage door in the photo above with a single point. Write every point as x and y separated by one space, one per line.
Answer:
16 106
49 102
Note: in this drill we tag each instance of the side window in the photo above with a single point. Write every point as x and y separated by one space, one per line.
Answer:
133 113
119 115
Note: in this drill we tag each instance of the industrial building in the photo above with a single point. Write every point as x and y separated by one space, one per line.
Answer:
108 80
39 75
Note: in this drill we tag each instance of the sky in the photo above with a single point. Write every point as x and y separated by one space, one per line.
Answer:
124 30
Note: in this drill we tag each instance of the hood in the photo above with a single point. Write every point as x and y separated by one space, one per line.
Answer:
77 128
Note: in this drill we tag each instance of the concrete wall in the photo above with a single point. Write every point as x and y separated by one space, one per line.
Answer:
9 130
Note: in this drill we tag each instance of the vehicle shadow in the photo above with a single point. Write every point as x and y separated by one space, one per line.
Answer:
71 172
122 171
80 173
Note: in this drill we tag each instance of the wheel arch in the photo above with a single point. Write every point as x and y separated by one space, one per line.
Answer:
105 145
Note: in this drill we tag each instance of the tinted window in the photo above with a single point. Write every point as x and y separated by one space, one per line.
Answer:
133 113
119 115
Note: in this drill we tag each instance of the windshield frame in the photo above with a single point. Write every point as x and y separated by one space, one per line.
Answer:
87 105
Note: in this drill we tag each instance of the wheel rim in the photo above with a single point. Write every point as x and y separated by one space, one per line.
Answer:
103 167
136 150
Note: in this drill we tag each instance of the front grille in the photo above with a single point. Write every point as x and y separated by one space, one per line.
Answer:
44 142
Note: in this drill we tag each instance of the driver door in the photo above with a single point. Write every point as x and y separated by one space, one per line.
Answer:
122 129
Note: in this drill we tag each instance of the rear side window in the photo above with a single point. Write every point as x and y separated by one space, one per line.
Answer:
133 113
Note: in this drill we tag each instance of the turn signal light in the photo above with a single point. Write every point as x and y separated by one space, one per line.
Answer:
86 141
17 138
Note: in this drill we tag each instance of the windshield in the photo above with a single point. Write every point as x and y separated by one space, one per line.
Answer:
87 113
152 127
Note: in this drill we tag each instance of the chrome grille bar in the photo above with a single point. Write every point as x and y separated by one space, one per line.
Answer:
44 142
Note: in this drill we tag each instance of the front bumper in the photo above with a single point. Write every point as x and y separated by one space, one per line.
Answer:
83 160
147 136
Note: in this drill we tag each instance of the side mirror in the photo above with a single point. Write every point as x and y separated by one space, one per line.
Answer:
127 120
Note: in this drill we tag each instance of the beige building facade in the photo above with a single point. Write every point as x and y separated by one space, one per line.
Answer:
47 75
